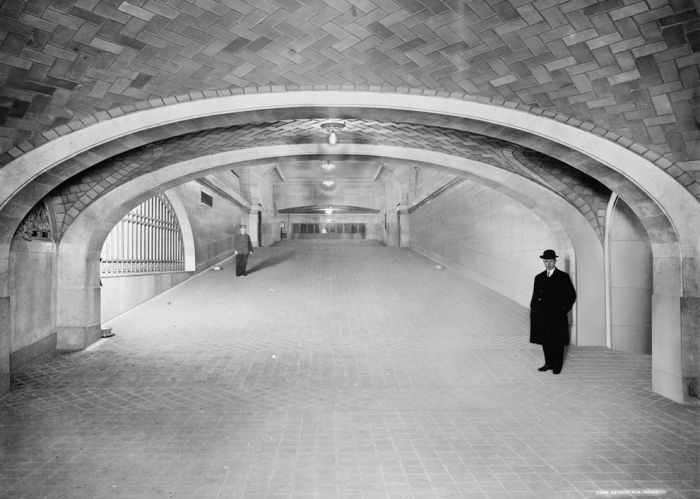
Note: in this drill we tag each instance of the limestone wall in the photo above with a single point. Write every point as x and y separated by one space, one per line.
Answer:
213 229
32 307
631 286
270 229
486 236
122 293
389 230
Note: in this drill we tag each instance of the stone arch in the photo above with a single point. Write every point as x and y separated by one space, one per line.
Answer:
629 280
101 116
77 277
668 210
186 228
397 172
508 124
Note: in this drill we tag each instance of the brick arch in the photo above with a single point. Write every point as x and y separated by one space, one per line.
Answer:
629 168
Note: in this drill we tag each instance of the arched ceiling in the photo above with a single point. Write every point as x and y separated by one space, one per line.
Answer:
345 169
582 191
629 66
625 70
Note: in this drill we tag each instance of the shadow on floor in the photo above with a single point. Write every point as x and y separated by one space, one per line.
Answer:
270 261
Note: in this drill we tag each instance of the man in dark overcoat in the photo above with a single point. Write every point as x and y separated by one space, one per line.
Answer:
552 298
242 247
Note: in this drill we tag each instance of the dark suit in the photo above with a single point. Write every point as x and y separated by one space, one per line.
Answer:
552 298
242 245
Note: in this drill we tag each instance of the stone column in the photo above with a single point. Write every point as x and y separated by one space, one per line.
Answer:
5 331
253 227
667 357
78 312
404 226
4 344
690 329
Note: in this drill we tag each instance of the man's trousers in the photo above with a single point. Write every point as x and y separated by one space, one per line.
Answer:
241 262
554 356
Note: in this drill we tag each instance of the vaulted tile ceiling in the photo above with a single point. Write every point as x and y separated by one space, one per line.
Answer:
627 65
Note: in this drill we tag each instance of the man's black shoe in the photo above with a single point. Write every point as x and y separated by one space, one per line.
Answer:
544 368
556 371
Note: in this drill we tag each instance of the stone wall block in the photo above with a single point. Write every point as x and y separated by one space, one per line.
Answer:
5 344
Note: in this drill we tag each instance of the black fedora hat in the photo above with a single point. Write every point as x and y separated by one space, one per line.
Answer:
548 255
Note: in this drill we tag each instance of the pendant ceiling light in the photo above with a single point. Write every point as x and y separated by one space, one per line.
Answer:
332 128
328 182
327 165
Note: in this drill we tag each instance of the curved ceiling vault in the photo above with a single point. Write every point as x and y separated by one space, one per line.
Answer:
627 66
622 70
582 191
407 120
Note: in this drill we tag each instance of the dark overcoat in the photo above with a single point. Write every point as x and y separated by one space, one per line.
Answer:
242 244
552 298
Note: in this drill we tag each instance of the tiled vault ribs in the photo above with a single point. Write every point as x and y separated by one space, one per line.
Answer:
628 66
585 193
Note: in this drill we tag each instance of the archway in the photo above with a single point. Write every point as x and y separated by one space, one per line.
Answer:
163 247
667 210
630 282
81 243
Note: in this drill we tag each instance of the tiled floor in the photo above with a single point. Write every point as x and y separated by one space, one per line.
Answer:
354 371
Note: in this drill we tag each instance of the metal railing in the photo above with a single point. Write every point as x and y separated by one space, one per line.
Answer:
147 239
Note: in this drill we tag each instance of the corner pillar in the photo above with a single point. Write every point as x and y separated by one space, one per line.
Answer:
690 330
78 312
5 328
4 344
404 228
253 227
666 334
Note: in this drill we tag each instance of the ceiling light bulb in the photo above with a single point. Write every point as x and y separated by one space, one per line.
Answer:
327 165
332 128
328 210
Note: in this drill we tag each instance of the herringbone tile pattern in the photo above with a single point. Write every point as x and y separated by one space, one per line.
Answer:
582 191
629 66
338 371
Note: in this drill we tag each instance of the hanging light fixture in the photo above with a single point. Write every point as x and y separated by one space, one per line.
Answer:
327 165
328 182
332 128
328 210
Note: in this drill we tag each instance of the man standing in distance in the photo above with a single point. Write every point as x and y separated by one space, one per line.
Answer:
242 247
552 298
